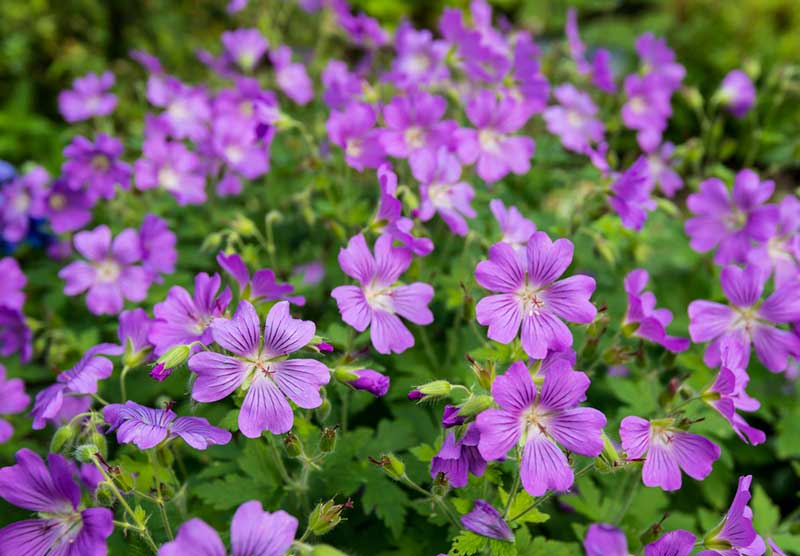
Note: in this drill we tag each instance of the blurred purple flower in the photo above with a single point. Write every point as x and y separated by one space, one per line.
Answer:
441 190
96 166
737 93
88 97
13 399
353 129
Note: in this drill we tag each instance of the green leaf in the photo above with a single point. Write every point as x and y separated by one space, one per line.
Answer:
467 543
387 500
232 490
424 452
766 515
521 503
544 547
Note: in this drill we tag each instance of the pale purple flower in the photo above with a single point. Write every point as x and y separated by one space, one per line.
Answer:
737 93
780 255
147 428
492 146
574 119
96 166
531 83
736 536
630 195
459 456
236 141
389 218
68 209
183 318
658 59
370 381
538 419
263 287
21 199
600 66
442 191
487 522
310 273
661 172
133 331
414 125
157 243
377 301
15 336
261 369
747 319
360 28
667 450
235 6
253 532
674 543
88 97
482 51
13 283
13 399
187 109
420 58
172 167
647 109
652 322
340 86
246 47
530 295
516 229
605 540
150 63
65 527
291 76
577 50
353 129
602 73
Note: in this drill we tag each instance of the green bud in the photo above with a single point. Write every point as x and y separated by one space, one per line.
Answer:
630 329
345 375
174 357
324 410
475 405
609 456
292 445
105 495
325 550
651 534
132 358
693 97
126 481
598 326
62 440
393 467
326 516
85 453
327 440
100 442
483 373
436 389
244 226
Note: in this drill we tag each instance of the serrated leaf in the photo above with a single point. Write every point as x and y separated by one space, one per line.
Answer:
544 547
387 500
232 490
424 452
467 543
766 515
521 503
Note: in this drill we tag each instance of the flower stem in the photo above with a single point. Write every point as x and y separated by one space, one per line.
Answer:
122 390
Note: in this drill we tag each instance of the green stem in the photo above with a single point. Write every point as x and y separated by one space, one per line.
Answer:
629 492
438 500
514 489
426 344
279 460
122 390
162 510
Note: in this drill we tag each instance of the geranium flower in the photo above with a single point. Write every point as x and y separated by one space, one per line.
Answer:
88 97
157 242
389 218
13 283
353 129
441 190
23 198
459 456
574 119
414 125
15 335
263 287
420 58
674 543
516 229
652 322
13 399
737 93
660 170
605 540
340 86
68 209
487 522
291 76
172 167
246 47
780 254
735 536
96 166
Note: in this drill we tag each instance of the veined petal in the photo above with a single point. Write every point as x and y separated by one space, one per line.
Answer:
544 466
194 537
502 314
547 260
500 431
218 375
284 334
503 272
579 430
240 335
569 298
301 379
264 408
353 306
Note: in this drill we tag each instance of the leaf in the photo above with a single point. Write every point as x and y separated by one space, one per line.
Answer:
467 543
388 500
231 421
232 490
766 515
544 547
424 452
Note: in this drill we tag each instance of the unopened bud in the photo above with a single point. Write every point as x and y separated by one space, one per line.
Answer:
62 440
629 329
475 405
326 516
104 495
484 373
393 467
609 457
85 453
327 440
174 357
324 410
292 445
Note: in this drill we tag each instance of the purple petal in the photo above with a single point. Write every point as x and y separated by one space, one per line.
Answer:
544 466
301 379
674 543
503 272
544 332
256 532
240 335
194 537
411 302
579 430
502 314
264 408
217 375
356 260
500 430
353 306
283 334
389 334
569 298
547 260
198 433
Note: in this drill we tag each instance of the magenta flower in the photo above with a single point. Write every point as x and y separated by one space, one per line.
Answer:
246 47
183 318
441 190
747 319
605 540
65 527
370 381
157 243
661 172
574 119
96 166
14 280
537 420
414 125
492 145
147 428
652 322
781 253
731 223
736 536
420 59
68 209
260 369
458 457
377 301
647 109
340 86
360 28
263 287
235 140
487 522
630 195
483 52
667 450
111 274
187 110
15 336
291 76
310 273
530 81
13 399
600 66
529 294
737 93
674 543
172 167
21 199
516 229
253 532
658 59
353 129
88 97
389 219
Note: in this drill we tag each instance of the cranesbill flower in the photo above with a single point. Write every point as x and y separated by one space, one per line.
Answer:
735 536
667 450
15 336
530 295
14 280
340 86
65 526
482 51
291 76
353 129
574 119
96 166
20 200
492 145
235 140
747 319
600 66
360 28
577 49
68 209
414 126
183 318
737 93
530 81
310 273
459 457
172 167
420 58
246 47
261 369
727 394
516 229
253 531
13 399
674 543
731 223
781 253
133 331
110 273
187 109
652 322
630 195
658 59
88 97
370 381
263 287
147 428
389 219
157 243
487 522
441 190
377 301
537 419
647 109
661 172
605 540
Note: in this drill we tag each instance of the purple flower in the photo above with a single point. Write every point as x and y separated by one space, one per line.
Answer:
110 275
517 229
262 370
389 218
781 253
310 273
776 551
183 318
359 27
735 536
668 449
441 190
157 243
630 195
370 381
652 322
187 109
13 399
600 66
172 167
420 58
487 522
147 428
658 59
12 295
133 331
574 120
727 394
253 531
88 97
150 63
647 109
577 49
450 417
291 76
748 320
96 166
737 93
414 126
51 491
15 336
483 52
530 81
459 456
262 288
530 295
536 419
605 540
20 200
674 543
731 223
246 47
340 87
353 129
492 145
236 141
66 208
660 170
376 302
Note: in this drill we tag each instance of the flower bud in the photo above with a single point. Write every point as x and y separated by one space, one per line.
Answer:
599 325
85 453
62 439
326 516
475 405
100 443
484 373
630 329
132 358
174 357
105 495
325 550
393 467
368 380
244 226
435 389
292 445
327 440
609 457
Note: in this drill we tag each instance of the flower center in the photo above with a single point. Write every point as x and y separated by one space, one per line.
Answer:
418 63
246 60
415 137
574 118
234 154
439 194
246 108
265 368
57 201
100 162
107 271
530 301
379 297
489 139
178 110
777 249
735 220
22 202
354 147
168 178
92 103
638 105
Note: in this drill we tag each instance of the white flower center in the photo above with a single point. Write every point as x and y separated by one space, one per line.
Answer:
415 137
168 178
234 154
178 110
22 202
107 271
379 297
490 139
574 118
638 105
354 147
440 195
57 201
530 300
